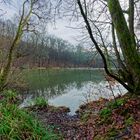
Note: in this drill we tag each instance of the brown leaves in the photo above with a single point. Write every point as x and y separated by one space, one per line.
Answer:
122 118
122 123
136 130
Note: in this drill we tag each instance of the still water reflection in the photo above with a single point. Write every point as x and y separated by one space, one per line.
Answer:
68 87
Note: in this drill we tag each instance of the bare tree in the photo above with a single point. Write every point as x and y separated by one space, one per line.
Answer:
100 15
32 12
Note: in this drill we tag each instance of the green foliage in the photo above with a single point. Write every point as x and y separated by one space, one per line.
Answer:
129 121
112 132
40 101
116 103
85 117
105 112
120 101
18 124
10 94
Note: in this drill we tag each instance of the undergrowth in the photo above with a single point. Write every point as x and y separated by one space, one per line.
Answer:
18 124
40 101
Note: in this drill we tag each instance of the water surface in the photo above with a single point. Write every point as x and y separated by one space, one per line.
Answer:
68 87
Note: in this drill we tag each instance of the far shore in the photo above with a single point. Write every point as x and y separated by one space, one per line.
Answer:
72 68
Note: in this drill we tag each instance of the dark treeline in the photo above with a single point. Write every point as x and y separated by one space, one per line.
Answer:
41 50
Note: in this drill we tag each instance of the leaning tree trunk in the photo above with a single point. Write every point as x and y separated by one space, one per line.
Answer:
129 74
22 24
127 44
5 73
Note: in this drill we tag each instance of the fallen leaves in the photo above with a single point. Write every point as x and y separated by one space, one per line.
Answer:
136 130
123 122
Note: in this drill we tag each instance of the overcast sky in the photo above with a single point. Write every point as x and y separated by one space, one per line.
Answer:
61 28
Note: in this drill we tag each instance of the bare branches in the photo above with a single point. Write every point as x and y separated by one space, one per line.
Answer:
27 23
98 48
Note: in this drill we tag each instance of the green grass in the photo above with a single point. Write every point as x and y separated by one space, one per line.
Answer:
105 112
18 124
116 104
40 101
10 96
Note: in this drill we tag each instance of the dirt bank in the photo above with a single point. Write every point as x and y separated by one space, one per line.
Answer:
98 120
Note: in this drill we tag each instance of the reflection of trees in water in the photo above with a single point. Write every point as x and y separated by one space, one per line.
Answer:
51 84
50 92
79 84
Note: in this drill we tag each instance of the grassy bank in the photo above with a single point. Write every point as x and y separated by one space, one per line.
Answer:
98 120
18 124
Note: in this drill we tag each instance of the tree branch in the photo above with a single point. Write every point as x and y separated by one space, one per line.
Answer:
98 48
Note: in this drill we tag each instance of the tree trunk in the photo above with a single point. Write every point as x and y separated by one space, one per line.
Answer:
22 23
127 43
6 70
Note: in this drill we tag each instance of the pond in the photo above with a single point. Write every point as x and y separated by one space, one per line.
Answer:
68 87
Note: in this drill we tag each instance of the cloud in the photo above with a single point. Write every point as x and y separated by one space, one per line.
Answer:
62 29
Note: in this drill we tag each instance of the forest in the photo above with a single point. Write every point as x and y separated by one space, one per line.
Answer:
41 50
69 70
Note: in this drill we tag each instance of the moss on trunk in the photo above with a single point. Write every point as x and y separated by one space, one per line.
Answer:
127 44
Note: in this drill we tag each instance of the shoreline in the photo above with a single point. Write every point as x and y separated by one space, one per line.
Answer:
99 120
102 119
